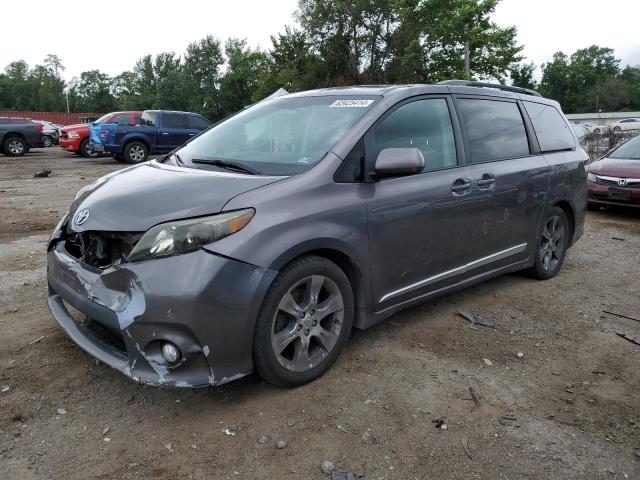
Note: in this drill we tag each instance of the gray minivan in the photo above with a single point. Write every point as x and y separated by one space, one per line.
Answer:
259 244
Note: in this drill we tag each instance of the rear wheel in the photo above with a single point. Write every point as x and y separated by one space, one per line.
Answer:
14 147
86 150
47 140
552 245
135 152
304 322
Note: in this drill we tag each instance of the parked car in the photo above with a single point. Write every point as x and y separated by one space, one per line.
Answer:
19 135
75 138
615 179
582 132
50 133
625 125
159 131
260 243
597 129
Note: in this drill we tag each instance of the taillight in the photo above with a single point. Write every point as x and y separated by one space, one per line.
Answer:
40 127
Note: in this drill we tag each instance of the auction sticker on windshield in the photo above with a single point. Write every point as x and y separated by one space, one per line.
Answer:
351 103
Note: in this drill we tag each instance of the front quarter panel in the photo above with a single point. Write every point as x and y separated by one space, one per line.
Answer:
298 215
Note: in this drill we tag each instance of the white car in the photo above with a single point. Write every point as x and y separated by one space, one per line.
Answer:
625 125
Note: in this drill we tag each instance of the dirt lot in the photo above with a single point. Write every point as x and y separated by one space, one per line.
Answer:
569 407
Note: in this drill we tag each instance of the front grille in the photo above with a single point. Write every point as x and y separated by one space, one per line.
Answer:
101 249
602 181
614 183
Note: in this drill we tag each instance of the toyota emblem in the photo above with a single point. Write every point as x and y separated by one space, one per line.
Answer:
81 216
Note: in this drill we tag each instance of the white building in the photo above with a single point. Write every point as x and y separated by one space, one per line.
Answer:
601 118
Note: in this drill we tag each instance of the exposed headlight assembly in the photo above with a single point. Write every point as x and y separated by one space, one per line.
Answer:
183 236
591 177
73 134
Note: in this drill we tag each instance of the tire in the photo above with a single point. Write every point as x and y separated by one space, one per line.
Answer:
135 152
86 151
617 129
47 140
14 146
310 342
551 249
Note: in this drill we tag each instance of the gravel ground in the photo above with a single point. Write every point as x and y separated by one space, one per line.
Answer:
556 391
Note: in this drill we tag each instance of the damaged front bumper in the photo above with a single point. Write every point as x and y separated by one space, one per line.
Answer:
204 304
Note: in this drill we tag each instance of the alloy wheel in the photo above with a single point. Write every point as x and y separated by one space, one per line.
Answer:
16 147
307 323
552 243
136 153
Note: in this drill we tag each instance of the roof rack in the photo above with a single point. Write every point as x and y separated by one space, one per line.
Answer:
506 88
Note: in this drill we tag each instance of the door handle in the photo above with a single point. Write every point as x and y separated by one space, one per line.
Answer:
486 181
461 186
191 134
165 133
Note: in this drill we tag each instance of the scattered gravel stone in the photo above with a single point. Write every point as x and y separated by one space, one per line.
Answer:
263 439
169 446
105 430
61 411
107 439
5 388
487 362
327 467
520 354
280 444
637 452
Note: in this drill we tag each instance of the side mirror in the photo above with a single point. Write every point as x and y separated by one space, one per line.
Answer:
399 161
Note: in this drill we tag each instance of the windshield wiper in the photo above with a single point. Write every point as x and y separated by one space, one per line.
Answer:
227 165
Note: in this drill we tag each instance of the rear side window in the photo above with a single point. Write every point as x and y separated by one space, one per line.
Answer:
423 124
552 131
198 123
174 120
137 118
495 129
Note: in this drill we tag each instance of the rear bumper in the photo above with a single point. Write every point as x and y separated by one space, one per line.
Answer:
204 304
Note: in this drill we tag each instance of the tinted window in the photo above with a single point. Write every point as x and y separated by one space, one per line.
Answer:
495 130
423 124
148 118
122 119
552 131
629 150
174 120
198 123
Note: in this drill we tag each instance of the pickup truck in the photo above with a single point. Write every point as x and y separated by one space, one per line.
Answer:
75 138
159 131
18 135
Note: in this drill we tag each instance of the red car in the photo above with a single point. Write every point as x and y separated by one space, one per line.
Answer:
615 178
75 138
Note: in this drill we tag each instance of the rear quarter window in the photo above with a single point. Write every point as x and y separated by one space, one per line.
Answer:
552 131
198 123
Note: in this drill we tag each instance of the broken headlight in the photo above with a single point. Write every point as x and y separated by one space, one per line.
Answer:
183 236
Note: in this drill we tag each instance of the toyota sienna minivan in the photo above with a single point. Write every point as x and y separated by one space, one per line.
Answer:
262 242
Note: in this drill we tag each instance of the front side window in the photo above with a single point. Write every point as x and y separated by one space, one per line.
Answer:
281 136
103 119
148 119
122 119
422 124
495 129
552 131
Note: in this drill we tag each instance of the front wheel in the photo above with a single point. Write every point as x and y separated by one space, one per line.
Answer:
617 129
135 152
304 322
47 141
87 150
552 245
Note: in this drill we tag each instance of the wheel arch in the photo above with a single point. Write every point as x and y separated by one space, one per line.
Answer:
566 207
135 138
347 264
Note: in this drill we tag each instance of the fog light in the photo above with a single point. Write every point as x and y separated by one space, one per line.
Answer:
170 352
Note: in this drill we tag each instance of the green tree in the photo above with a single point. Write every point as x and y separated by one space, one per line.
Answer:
522 75
92 93
203 62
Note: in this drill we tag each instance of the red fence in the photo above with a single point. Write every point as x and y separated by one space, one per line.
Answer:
55 117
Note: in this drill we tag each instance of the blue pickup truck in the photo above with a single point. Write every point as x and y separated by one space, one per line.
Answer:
159 131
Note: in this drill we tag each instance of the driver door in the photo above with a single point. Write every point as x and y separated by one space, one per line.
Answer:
418 224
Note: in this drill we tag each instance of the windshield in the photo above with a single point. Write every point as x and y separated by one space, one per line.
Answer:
281 136
103 118
629 150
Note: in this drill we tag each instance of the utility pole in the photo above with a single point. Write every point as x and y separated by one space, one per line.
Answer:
67 92
467 60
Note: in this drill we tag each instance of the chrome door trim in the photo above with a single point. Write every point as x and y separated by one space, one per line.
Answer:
494 257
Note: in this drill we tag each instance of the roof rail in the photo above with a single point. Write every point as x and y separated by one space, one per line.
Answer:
506 88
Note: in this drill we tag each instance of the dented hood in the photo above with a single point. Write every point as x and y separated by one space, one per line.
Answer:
139 197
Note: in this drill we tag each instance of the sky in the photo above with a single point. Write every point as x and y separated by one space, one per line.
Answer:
112 35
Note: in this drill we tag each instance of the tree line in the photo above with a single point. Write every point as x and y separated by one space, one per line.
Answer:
335 42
